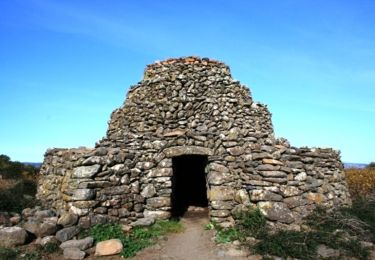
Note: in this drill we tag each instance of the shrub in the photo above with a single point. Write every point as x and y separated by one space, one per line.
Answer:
340 229
50 247
371 165
250 222
7 253
361 182
12 199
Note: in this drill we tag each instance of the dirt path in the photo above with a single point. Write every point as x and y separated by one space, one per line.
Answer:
194 243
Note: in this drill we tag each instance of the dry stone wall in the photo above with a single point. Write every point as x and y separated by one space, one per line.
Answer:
190 106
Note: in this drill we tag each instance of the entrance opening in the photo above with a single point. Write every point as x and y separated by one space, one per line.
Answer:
188 183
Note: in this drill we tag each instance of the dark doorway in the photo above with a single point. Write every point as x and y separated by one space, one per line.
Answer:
188 183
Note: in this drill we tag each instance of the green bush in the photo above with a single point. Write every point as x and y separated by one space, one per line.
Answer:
8 254
340 229
50 248
13 199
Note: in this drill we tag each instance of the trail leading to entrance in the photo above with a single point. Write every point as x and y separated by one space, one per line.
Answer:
194 243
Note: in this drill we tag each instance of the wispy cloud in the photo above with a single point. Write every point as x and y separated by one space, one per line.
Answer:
81 20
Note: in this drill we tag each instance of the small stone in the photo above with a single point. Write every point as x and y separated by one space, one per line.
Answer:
148 191
73 253
326 252
41 214
67 233
235 151
276 211
271 161
157 214
288 191
86 171
265 195
81 244
12 236
143 222
48 240
83 194
68 220
242 197
159 202
108 247
301 176
220 193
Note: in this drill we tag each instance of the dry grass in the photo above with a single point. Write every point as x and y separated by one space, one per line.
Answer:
361 181
6 184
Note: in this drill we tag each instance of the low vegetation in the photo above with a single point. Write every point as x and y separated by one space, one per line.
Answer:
137 239
17 185
36 252
342 230
361 181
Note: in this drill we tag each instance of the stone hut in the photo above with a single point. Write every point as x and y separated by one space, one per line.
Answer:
189 134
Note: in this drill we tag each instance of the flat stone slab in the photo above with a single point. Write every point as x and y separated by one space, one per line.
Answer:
183 150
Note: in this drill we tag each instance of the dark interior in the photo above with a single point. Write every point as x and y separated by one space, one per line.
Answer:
188 183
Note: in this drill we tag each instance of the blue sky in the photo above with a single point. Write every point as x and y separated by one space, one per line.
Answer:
66 65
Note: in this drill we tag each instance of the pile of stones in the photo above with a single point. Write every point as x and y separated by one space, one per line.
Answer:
190 106
44 227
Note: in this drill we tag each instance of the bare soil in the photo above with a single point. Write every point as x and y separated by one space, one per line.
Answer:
194 243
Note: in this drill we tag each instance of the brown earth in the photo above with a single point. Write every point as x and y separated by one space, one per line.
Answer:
194 243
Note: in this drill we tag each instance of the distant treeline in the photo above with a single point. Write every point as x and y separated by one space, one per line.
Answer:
14 170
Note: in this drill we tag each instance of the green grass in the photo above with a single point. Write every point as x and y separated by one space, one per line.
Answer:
250 222
138 239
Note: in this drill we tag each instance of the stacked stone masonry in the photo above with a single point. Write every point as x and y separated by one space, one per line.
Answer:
190 106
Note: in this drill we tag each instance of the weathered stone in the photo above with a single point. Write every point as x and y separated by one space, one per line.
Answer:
143 222
67 233
41 214
268 167
108 247
218 168
271 161
83 194
12 236
81 244
235 151
220 213
276 174
157 214
221 193
276 211
264 195
160 172
86 171
159 202
73 253
315 197
67 220
48 240
181 150
293 202
301 176
288 191
326 252
242 197
149 191
92 160
217 178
